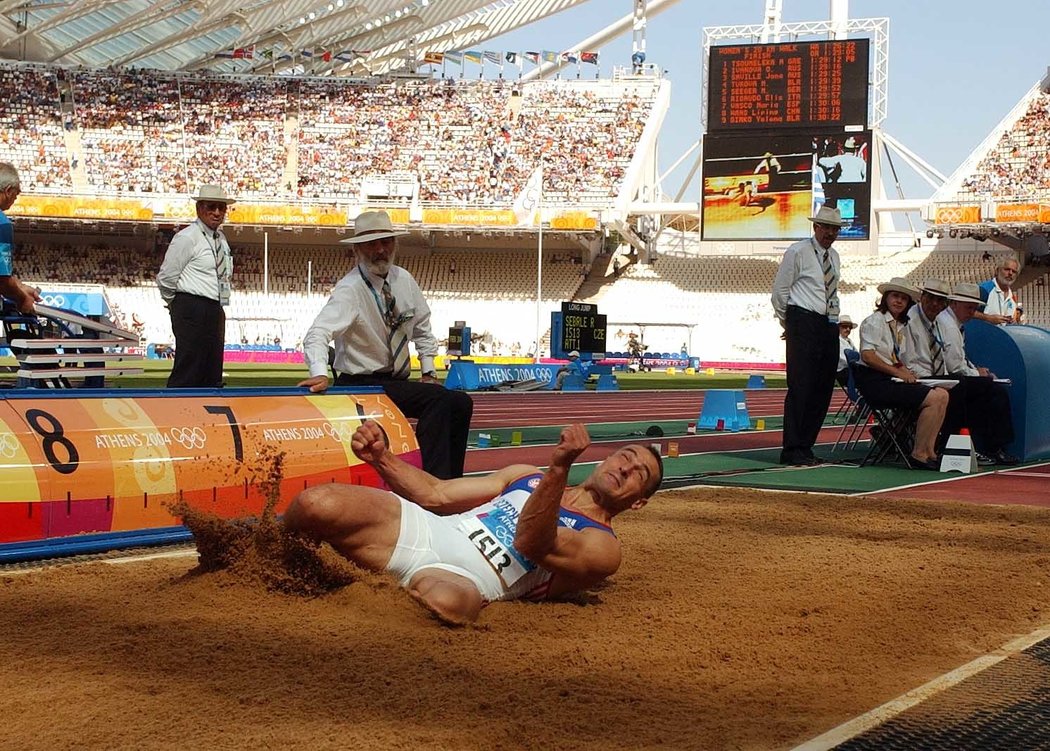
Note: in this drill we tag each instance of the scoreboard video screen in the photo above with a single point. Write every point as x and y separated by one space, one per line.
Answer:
766 185
805 85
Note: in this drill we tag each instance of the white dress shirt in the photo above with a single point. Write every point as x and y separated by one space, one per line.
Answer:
800 279
353 319
879 333
955 361
917 354
198 260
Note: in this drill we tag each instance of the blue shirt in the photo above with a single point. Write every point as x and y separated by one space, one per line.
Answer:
7 246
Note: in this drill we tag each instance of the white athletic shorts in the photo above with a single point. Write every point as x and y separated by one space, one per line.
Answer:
431 541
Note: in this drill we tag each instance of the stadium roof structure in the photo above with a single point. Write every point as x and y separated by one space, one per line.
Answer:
319 37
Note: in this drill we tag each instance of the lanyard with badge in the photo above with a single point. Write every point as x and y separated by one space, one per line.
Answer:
388 310
222 269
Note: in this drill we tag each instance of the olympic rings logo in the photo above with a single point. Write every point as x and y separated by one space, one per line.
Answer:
189 438
340 432
54 301
8 446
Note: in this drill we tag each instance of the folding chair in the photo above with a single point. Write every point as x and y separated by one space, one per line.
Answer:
892 435
854 411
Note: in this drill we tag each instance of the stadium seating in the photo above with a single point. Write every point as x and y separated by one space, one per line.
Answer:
446 142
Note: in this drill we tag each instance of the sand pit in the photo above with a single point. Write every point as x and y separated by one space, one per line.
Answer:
739 620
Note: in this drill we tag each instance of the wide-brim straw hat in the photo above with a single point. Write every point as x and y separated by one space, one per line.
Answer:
899 284
845 320
966 292
827 215
213 193
372 225
936 287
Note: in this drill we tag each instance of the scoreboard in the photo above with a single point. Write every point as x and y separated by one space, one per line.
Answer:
583 328
790 85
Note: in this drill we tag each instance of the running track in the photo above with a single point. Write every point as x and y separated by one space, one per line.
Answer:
1023 485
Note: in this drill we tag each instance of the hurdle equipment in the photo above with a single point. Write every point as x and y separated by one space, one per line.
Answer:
727 406
959 454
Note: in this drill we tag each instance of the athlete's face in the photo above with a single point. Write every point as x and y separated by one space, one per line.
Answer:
627 477
377 255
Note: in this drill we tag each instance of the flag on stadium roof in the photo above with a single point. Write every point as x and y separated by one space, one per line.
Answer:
454 57
237 53
533 57
550 57
589 57
472 56
307 53
570 57
346 56
434 58
493 57
515 58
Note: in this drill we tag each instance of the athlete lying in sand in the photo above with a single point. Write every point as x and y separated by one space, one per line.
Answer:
458 544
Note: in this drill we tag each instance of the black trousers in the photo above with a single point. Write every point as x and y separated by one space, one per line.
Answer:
983 406
812 361
443 419
199 325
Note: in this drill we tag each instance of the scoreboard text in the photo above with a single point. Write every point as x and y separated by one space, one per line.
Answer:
583 328
794 85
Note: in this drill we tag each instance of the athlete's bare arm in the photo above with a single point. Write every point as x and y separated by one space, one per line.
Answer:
422 488
580 558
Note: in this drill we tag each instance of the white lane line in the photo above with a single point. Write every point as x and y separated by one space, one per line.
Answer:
894 707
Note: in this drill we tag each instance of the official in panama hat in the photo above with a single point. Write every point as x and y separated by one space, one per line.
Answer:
373 314
828 216
806 302
899 284
987 411
213 193
195 281
935 288
372 225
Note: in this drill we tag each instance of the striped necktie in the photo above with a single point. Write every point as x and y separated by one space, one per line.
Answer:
936 354
396 338
222 258
831 286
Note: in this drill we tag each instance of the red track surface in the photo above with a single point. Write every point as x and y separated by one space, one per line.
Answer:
1025 485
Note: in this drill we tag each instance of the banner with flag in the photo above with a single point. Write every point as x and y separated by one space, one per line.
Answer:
434 58
307 53
589 57
533 57
515 58
454 57
494 57
550 57
570 57
528 201
472 56
346 56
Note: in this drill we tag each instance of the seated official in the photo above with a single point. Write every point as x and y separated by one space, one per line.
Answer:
575 366
846 326
885 382
981 404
